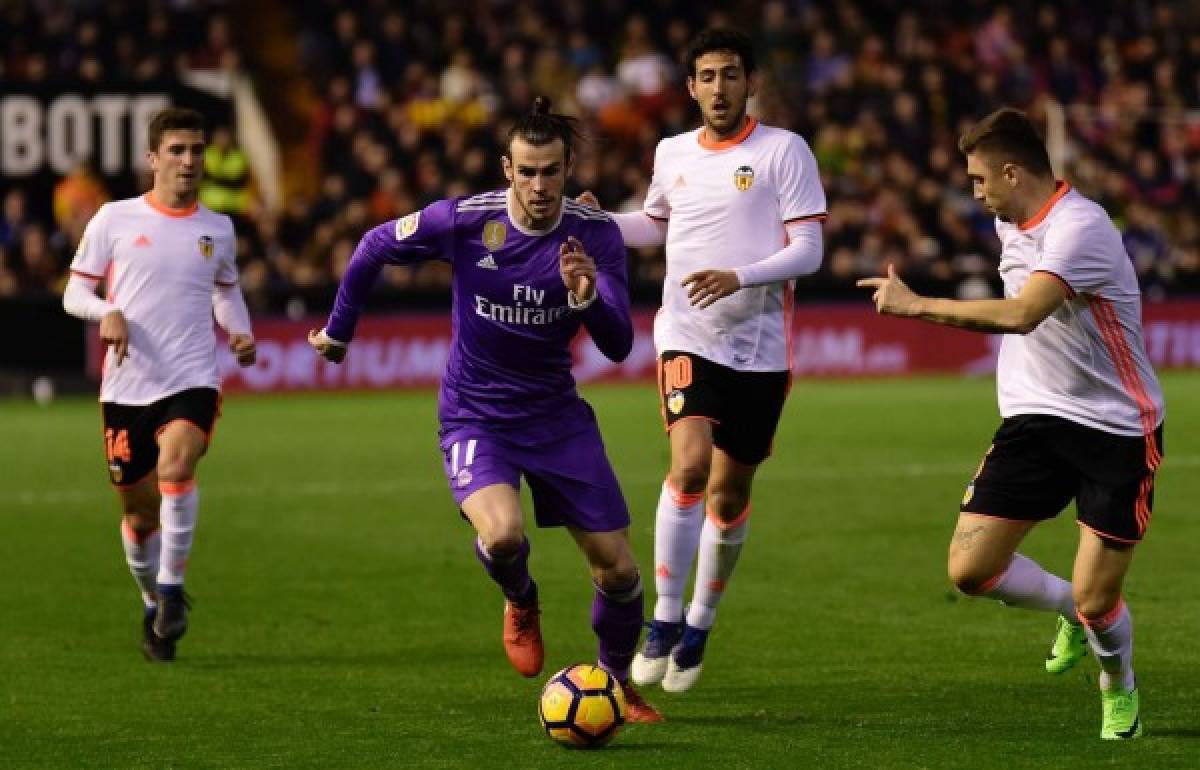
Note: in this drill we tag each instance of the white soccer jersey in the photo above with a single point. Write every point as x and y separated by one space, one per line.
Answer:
727 204
159 266
1087 362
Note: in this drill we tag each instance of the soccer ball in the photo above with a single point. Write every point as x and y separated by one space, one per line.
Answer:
582 706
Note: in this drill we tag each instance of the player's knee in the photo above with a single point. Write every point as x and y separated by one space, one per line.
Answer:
620 578
969 577
727 505
1094 602
141 519
503 541
176 466
690 476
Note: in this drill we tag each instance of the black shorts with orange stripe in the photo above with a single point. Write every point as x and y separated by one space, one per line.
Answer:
744 407
1038 463
131 432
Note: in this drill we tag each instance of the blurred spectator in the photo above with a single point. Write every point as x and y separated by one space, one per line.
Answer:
226 185
77 197
414 101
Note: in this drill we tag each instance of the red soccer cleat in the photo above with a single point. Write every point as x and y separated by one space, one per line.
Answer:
636 708
523 639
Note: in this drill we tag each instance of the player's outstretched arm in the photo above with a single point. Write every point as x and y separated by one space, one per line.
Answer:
1041 296
639 230
405 241
599 292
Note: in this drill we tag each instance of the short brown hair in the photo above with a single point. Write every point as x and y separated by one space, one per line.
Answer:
172 119
1008 136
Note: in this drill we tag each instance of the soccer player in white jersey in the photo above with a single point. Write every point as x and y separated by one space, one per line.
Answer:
739 206
169 267
1082 408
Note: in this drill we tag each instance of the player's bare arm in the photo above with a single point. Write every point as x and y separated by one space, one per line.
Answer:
115 333
1041 296
707 286
578 270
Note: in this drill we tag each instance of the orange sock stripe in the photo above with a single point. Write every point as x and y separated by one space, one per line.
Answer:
133 534
682 499
723 525
1101 623
176 487
992 582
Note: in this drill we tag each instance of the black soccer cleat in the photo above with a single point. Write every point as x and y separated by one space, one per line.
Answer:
171 622
154 649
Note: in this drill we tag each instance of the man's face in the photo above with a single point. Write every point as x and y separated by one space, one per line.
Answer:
721 88
178 162
538 174
992 184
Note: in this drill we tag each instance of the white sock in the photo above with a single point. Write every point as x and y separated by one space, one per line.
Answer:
177 518
1111 638
1026 585
720 546
677 524
142 558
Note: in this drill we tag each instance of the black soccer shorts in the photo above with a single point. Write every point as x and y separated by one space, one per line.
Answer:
1038 463
131 432
744 407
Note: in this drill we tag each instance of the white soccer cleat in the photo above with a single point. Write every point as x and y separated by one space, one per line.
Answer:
680 679
648 670
686 660
650 664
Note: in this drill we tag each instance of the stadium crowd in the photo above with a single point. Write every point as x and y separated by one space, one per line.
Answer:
414 100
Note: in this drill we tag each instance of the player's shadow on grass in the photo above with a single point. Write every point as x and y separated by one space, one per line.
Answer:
753 722
1173 732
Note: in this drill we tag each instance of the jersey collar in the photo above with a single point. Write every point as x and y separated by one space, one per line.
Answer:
511 206
1062 189
187 211
732 141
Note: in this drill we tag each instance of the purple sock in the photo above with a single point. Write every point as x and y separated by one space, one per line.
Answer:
511 574
617 621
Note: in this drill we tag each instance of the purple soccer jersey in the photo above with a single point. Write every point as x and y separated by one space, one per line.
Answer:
508 403
509 360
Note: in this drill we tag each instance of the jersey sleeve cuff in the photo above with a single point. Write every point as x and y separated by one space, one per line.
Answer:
1066 287
821 217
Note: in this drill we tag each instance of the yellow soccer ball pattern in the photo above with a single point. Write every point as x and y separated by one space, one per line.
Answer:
582 706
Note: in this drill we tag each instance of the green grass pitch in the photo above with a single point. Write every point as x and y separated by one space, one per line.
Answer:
341 619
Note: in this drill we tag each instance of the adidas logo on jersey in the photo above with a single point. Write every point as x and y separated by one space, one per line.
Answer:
487 263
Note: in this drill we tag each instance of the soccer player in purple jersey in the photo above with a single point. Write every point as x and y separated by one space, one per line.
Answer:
529 269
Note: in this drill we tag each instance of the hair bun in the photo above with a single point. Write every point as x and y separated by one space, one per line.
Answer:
541 105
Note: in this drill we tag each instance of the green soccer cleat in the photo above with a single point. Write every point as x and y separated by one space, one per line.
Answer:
1121 720
1070 646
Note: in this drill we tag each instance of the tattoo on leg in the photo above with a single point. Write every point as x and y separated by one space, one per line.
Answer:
964 537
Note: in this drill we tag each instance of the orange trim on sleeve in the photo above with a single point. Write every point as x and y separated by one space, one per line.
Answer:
1062 189
176 487
87 275
1066 287
807 218
167 210
660 219
225 285
732 141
